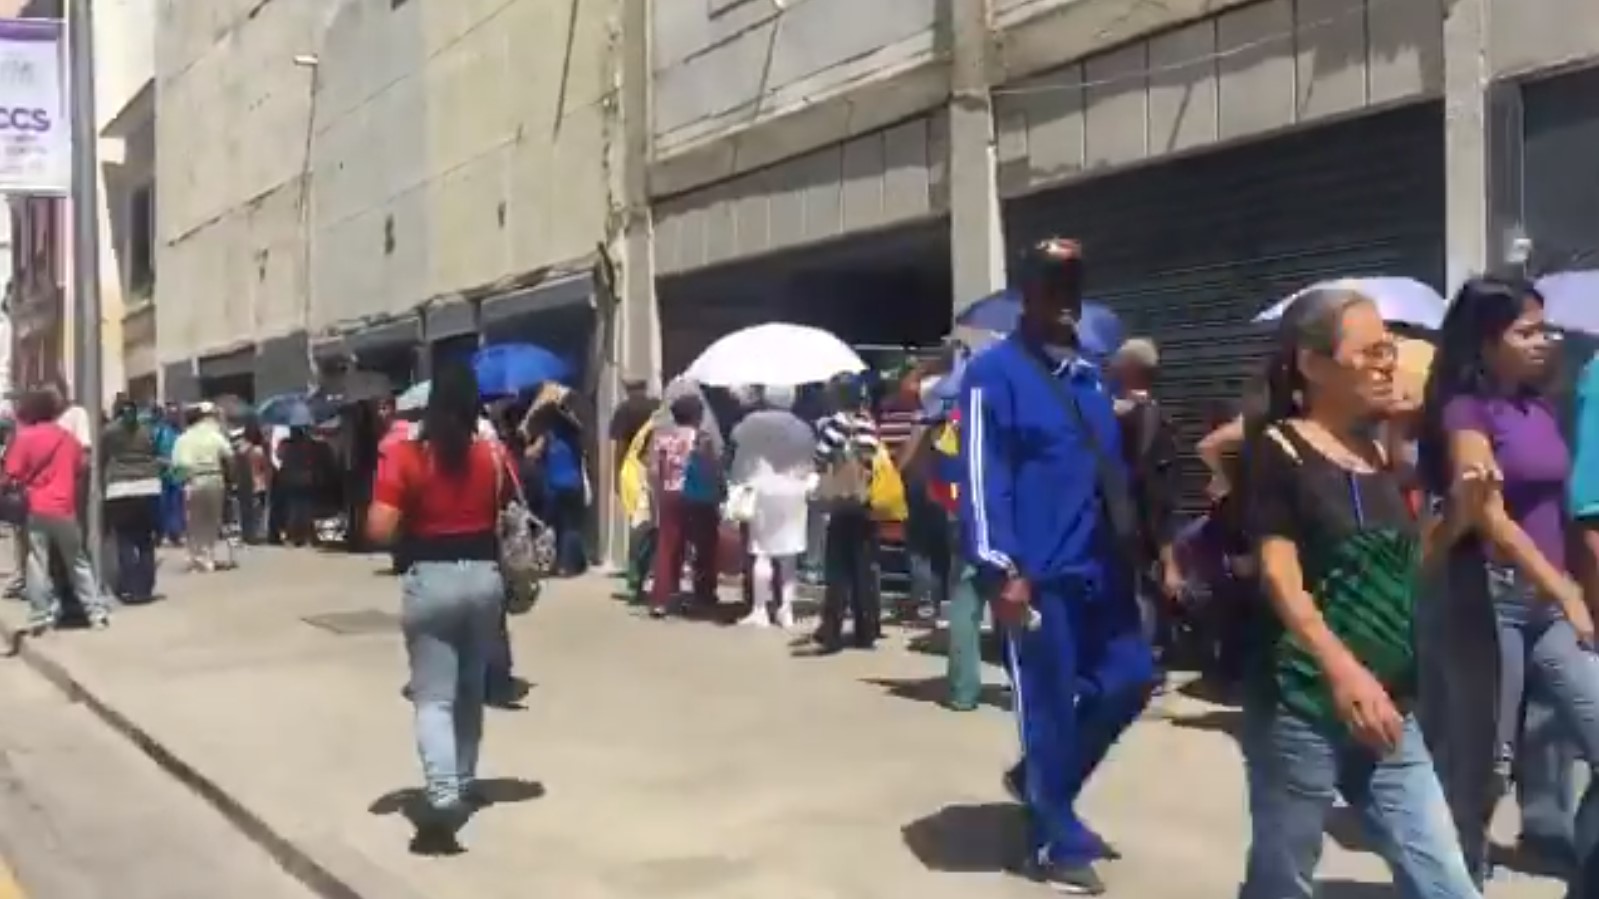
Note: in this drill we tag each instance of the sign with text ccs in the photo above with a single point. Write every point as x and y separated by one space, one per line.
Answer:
35 130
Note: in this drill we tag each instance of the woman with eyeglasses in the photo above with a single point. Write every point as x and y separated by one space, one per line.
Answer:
1332 673
1485 409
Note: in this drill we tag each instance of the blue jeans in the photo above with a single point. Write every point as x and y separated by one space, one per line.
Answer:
172 517
1295 769
64 537
1081 678
451 618
1539 652
1545 787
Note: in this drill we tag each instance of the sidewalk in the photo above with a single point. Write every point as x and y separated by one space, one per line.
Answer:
652 759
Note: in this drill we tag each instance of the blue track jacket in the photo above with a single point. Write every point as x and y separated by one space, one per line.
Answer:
1030 497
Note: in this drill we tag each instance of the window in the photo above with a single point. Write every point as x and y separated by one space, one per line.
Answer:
141 240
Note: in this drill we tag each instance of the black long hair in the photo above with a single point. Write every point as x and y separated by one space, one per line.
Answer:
1482 311
449 423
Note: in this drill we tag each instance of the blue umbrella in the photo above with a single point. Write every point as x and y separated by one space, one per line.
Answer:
510 368
1571 300
291 409
1098 328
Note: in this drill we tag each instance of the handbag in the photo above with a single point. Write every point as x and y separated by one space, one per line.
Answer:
740 505
1115 494
14 493
526 544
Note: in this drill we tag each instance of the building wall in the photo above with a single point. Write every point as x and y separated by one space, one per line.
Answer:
124 38
722 63
433 149
733 67
1252 70
457 144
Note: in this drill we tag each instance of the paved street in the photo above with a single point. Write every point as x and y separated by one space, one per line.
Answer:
649 759
85 815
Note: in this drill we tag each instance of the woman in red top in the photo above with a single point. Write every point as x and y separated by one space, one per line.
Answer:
440 495
45 460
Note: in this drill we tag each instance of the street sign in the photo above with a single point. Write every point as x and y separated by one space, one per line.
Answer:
35 130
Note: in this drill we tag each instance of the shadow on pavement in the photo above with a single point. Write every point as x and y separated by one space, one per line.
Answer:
509 698
490 791
1226 721
935 690
1534 861
1350 889
970 839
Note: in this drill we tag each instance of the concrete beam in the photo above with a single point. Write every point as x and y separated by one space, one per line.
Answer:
977 238
1466 163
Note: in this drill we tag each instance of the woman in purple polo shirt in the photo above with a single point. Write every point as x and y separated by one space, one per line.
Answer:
1485 408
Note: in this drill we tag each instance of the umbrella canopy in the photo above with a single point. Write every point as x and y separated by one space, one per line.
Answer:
1571 300
774 355
1099 329
415 398
1403 301
295 410
509 368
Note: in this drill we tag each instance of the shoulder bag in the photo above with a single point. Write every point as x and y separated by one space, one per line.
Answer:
14 493
1115 494
527 545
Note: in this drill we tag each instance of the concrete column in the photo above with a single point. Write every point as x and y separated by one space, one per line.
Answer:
1466 144
977 238
632 344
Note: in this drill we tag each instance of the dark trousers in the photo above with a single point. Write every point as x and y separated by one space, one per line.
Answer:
299 517
851 578
133 522
564 512
684 526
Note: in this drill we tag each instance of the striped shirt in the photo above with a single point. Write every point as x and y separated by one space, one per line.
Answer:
896 427
845 430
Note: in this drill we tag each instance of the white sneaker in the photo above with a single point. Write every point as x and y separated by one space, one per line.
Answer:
785 618
754 619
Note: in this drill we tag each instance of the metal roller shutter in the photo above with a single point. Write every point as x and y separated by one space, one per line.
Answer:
1187 252
1561 175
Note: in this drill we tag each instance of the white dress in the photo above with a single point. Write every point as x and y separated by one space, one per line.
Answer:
773 454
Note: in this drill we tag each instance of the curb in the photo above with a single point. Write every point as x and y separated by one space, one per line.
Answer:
293 859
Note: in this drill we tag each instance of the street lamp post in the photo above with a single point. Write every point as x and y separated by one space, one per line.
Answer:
86 254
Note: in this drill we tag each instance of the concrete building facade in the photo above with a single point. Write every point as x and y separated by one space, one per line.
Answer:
868 167
378 182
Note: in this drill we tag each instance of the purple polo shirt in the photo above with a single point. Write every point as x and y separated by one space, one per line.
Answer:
1533 455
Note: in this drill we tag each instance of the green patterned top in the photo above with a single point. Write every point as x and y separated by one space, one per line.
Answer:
1360 552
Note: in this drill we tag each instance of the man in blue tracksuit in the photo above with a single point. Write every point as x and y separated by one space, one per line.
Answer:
1034 524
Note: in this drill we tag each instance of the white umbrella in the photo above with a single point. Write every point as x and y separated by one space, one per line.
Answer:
1400 300
415 398
774 355
1571 300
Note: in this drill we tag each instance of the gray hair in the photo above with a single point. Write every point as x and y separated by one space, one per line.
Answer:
1314 323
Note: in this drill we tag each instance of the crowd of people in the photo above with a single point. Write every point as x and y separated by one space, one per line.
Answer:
1396 569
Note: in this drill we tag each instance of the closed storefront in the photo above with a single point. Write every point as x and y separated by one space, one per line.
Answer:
1189 251
1560 181
852 238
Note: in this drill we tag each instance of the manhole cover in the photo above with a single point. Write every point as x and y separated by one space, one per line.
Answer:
349 624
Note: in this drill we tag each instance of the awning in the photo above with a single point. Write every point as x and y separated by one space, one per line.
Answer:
571 291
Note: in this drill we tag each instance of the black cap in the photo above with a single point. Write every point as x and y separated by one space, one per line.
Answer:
1052 260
